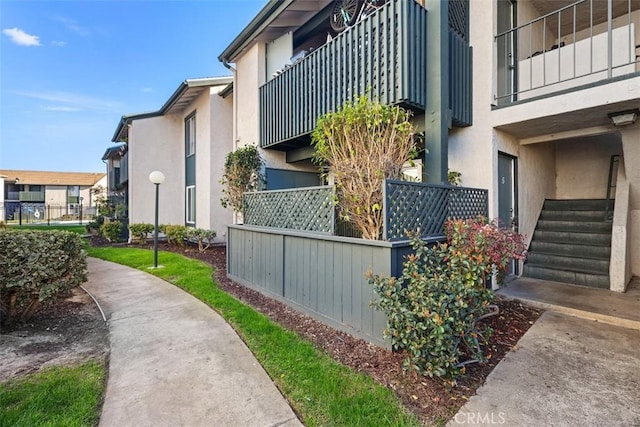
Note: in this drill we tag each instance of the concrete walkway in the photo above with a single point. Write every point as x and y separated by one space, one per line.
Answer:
176 362
565 371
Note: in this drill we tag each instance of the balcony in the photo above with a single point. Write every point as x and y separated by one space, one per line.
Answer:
124 170
384 53
580 43
31 196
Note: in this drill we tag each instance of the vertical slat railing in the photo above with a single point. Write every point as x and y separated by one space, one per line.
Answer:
383 53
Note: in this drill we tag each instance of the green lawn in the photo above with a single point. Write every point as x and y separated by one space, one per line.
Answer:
58 396
321 390
80 229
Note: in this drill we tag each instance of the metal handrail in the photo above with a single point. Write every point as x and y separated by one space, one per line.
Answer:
613 164
540 18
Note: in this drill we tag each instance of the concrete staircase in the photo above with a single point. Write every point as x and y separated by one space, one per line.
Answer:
571 243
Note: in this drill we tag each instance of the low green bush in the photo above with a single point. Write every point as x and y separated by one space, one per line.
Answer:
38 265
203 237
176 234
112 230
433 309
140 231
96 224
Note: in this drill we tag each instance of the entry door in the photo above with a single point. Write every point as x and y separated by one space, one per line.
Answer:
508 196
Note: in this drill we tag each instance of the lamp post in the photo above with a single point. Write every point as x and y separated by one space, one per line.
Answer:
157 178
81 199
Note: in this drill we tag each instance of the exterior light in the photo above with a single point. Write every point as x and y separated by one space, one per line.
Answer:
623 118
156 178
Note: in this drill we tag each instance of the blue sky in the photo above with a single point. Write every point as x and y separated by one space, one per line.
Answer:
70 69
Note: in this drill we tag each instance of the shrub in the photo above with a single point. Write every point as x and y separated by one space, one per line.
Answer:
37 265
204 238
242 173
111 230
364 143
176 234
434 307
140 231
96 224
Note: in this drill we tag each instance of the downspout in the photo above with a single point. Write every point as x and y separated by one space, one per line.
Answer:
235 104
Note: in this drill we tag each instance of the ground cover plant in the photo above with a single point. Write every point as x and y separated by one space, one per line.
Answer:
321 390
57 396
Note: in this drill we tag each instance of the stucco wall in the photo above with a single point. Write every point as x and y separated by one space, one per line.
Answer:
156 144
630 142
582 167
221 118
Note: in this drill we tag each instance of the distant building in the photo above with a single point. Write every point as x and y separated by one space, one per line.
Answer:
37 189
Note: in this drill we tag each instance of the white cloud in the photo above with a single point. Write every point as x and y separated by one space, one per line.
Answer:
58 43
72 25
75 101
21 38
60 108
146 90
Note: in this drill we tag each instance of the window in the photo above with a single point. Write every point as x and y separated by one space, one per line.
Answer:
190 209
190 135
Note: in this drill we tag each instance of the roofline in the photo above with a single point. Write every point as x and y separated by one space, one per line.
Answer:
111 149
208 81
257 24
228 90
126 119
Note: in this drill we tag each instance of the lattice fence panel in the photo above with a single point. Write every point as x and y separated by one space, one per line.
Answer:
414 207
424 208
459 17
466 203
305 209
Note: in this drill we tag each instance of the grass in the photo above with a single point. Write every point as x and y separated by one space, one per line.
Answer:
321 391
59 396
80 229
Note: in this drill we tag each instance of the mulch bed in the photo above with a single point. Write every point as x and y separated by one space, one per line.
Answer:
426 397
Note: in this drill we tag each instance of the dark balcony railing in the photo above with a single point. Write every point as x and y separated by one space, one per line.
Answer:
124 170
384 53
31 196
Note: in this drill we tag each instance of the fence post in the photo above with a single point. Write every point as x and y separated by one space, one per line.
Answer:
385 210
20 214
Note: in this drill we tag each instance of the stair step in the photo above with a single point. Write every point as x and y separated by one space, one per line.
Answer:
590 239
575 226
558 215
565 249
577 205
573 277
595 266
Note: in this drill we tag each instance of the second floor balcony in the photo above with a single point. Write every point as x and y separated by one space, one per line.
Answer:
383 54
31 196
568 44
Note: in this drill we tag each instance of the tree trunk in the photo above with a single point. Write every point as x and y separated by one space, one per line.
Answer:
31 309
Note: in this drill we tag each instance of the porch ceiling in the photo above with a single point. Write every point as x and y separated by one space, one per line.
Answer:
565 124
583 12
292 18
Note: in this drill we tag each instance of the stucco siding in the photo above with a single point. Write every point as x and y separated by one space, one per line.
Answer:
221 119
156 144
582 167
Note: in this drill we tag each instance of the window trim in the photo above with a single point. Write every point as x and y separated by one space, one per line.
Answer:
190 189
190 135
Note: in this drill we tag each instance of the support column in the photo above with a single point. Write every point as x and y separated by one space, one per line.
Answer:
437 114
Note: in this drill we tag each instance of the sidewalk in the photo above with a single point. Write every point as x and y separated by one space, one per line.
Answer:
565 371
176 362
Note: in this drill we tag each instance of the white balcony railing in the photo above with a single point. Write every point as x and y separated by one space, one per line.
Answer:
582 43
